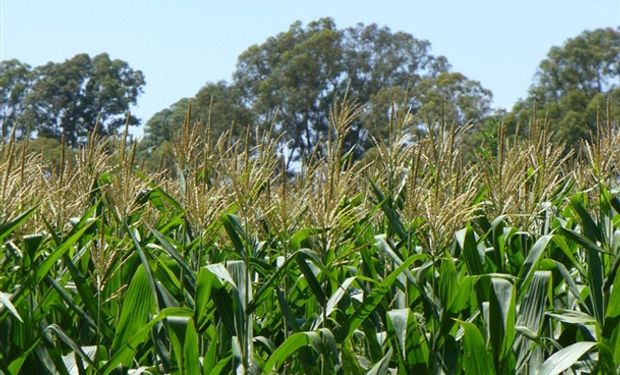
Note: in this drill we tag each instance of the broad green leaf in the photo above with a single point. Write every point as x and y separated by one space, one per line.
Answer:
288 347
590 228
531 315
533 258
532 306
86 353
7 228
471 252
613 305
572 317
137 305
204 283
190 350
565 358
236 233
371 301
448 287
128 347
476 359
172 251
594 271
145 263
16 364
314 284
48 263
222 273
177 328
381 367
397 326
394 220
334 300
502 317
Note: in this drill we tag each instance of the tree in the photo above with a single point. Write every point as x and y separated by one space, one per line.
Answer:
293 79
14 84
290 82
69 98
574 83
217 105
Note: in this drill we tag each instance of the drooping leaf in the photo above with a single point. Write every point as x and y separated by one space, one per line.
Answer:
288 347
565 358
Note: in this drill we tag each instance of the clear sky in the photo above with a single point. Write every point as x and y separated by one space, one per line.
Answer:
180 45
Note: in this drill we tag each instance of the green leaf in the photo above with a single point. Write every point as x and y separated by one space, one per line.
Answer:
371 301
532 307
529 265
49 261
17 363
236 233
531 315
613 305
191 350
381 367
314 284
476 359
594 274
204 284
472 254
572 317
590 229
174 254
293 343
502 317
137 305
565 358
7 228
5 300
397 327
448 288
333 301
86 353
394 220
128 347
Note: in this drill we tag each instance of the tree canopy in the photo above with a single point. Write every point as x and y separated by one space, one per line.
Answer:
15 80
216 104
289 82
68 98
573 85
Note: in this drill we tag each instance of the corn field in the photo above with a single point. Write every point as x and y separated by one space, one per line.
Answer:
415 260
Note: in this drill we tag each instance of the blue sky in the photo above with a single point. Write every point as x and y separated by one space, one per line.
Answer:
180 45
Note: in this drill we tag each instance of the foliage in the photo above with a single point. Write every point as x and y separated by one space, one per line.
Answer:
288 83
216 105
68 99
401 264
15 80
574 85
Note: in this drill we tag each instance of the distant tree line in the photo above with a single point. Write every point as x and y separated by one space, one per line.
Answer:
67 99
289 82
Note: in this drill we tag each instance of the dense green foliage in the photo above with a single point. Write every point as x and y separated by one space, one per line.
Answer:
573 85
404 264
410 259
289 82
68 99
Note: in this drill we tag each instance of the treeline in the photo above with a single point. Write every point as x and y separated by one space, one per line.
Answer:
287 85
67 100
